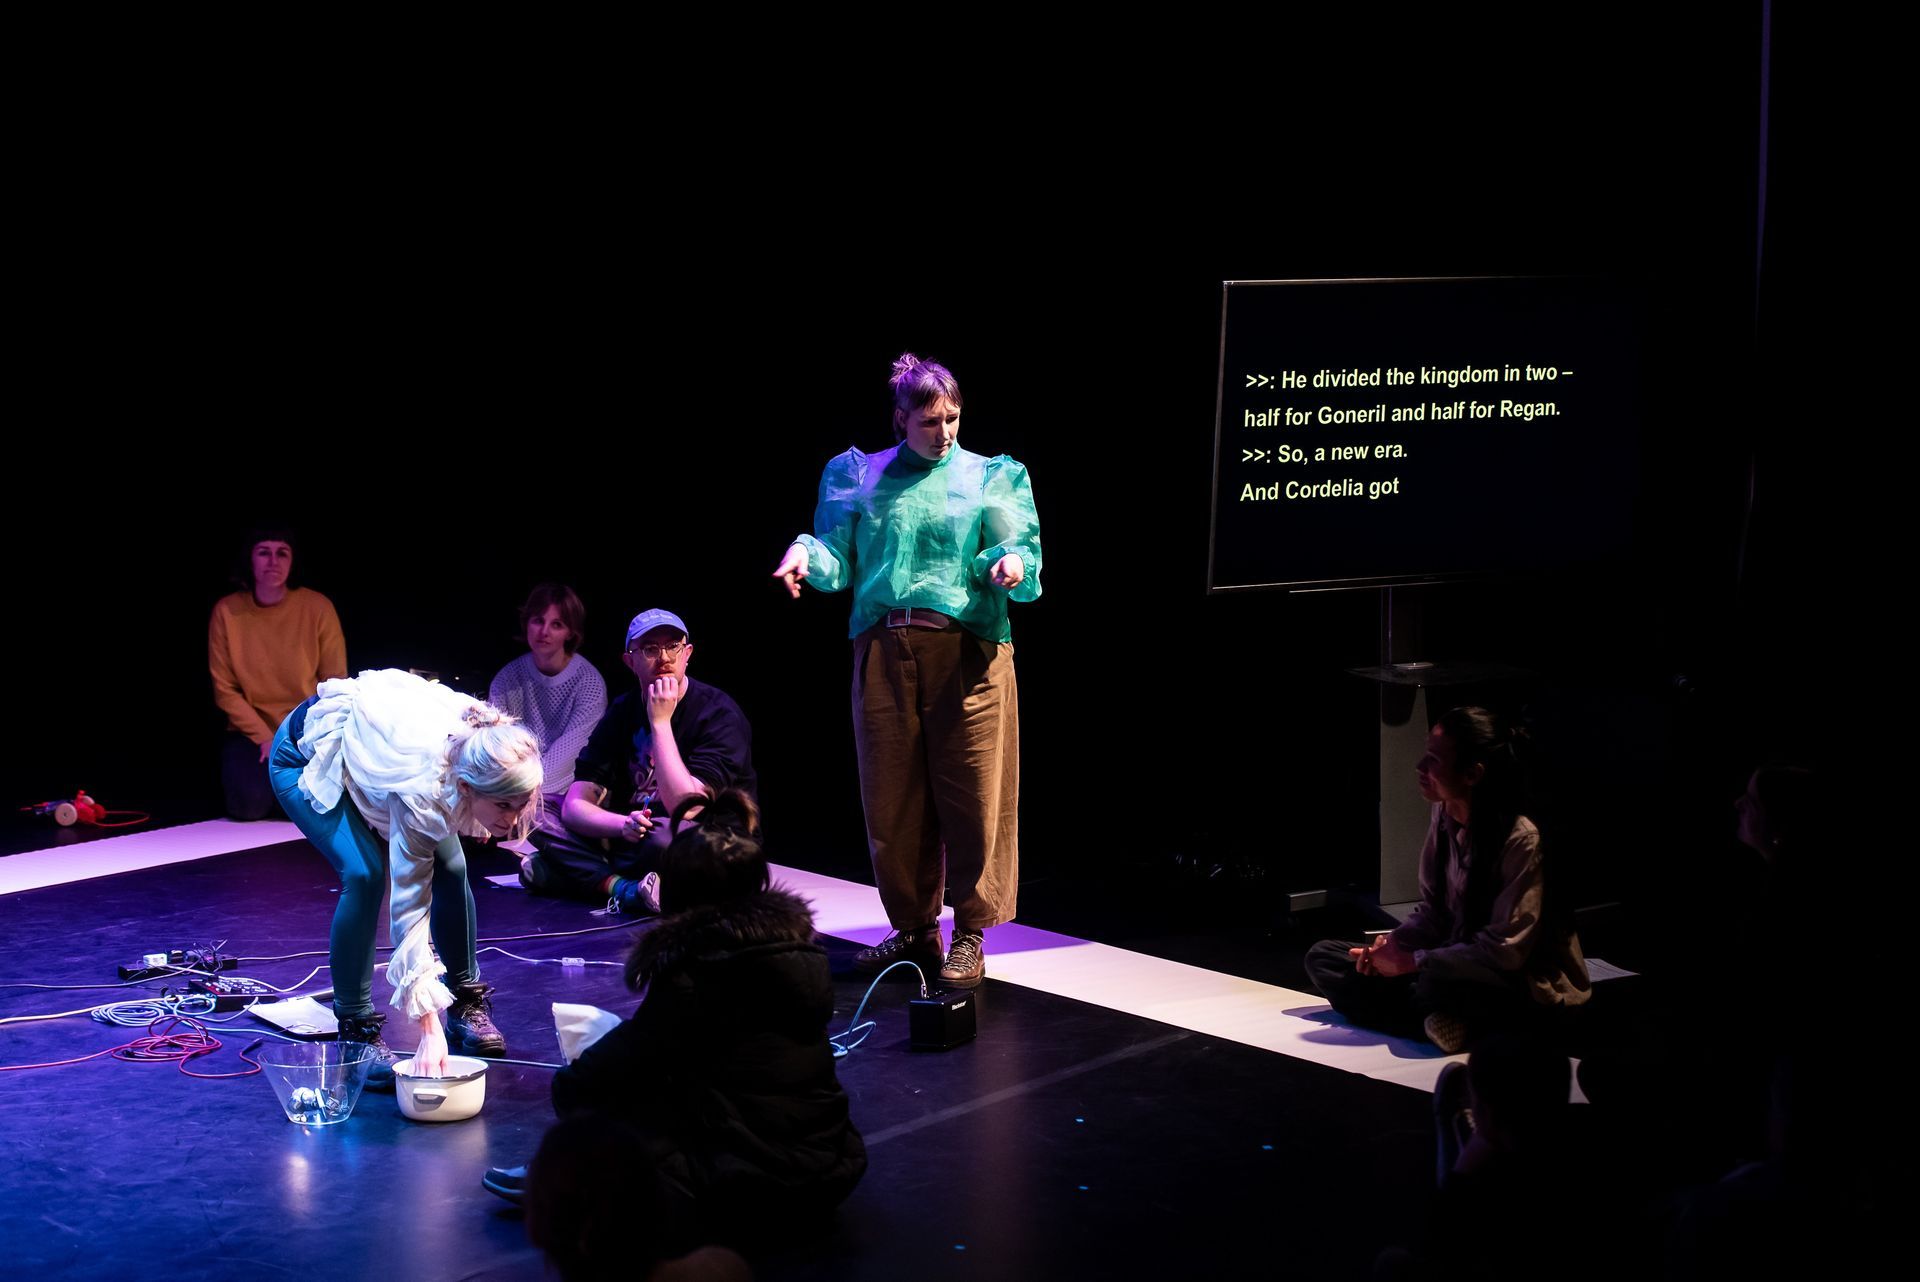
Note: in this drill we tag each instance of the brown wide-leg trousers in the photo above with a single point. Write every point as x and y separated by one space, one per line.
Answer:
936 724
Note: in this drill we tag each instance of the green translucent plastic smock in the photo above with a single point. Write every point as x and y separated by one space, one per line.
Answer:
900 530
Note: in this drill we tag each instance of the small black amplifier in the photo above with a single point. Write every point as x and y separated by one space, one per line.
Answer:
941 1021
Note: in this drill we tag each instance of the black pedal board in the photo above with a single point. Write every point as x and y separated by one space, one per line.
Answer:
233 992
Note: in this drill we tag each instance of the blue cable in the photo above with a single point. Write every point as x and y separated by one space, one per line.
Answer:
841 1047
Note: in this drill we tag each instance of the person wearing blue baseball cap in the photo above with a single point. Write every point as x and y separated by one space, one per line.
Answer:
671 739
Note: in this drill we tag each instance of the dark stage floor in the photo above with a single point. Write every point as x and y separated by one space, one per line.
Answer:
1068 1140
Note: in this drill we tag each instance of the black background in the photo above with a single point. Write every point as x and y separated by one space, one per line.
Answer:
472 341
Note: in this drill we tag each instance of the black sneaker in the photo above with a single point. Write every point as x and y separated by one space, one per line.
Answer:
366 1029
469 1022
509 1182
966 963
635 898
535 876
922 947
1446 1031
1452 1119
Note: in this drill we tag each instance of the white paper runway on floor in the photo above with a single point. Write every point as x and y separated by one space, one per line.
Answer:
1266 1016
1242 1010
152 848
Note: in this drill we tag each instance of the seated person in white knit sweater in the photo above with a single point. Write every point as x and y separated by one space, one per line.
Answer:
554 692
671 739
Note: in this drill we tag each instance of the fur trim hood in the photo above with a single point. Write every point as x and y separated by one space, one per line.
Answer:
776 917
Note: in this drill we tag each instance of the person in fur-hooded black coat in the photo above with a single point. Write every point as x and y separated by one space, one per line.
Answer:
725 1066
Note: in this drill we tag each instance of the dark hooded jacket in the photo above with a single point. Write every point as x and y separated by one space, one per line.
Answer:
725 1065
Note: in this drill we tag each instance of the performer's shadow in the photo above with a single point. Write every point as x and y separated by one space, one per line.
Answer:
1334 1030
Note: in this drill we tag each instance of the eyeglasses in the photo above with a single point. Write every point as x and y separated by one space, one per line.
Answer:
659 652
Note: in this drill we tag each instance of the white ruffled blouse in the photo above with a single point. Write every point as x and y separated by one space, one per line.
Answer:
381 738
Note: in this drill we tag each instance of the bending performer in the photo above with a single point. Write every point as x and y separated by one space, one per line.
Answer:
382 773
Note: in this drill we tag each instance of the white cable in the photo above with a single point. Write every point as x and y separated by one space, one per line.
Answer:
28 1019
138 1014
561 961
124 983
295 984
548 934
564 934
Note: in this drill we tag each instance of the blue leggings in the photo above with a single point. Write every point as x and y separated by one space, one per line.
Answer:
360 857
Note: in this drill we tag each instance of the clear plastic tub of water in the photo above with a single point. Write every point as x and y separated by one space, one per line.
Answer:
317 1083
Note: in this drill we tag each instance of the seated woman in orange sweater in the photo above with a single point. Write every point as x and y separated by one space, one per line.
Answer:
268 647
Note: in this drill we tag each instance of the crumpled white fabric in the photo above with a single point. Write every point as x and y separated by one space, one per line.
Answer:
383 734
579 1026
381 739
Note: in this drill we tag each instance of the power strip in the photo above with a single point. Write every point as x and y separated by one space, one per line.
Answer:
159 965
233 992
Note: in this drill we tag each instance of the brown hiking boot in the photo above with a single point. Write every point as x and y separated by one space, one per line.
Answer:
470 1028
366 1029
921 947
966 963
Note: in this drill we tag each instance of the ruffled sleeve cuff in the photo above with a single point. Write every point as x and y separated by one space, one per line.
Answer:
414 973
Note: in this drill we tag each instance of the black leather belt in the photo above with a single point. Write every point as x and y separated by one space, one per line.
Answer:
917 617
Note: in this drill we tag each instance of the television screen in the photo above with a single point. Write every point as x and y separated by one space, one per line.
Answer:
1375 432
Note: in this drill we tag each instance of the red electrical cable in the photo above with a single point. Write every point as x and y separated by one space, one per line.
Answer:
143 816
162 1046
